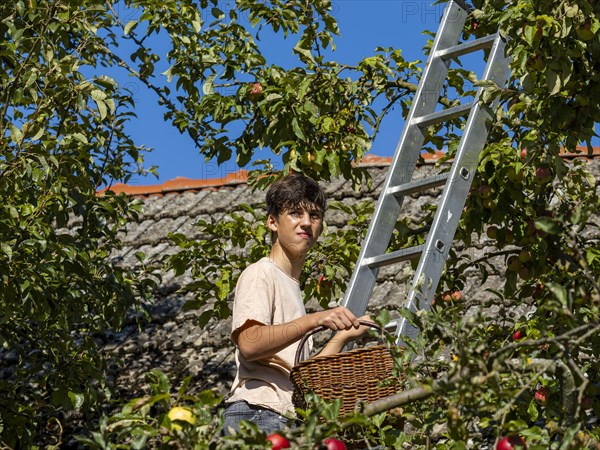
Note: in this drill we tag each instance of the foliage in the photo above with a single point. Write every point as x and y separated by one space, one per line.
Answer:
168 419
62 137
314 116
473 377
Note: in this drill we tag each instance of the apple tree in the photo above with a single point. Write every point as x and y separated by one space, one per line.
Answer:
62 138
519 366
539 332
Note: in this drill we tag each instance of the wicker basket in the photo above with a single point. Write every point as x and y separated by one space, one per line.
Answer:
355 376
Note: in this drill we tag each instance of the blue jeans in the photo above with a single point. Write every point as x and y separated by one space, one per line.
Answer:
267 420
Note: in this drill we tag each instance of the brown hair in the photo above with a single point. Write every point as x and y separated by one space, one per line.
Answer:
292 191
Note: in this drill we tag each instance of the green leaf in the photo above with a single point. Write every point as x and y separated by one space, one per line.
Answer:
80 137
15 134
207 87
303 52
98 95
559 291
130 25
101 108
77 399
553 81
217 13
197 25
569 436
205 317
6 249
297 129
533 411
547 225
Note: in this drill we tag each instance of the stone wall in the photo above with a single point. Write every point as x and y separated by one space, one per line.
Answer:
173 342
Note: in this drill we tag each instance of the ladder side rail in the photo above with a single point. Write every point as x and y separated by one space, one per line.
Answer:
404 161
454 196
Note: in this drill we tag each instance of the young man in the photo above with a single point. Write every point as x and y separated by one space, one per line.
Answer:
268 311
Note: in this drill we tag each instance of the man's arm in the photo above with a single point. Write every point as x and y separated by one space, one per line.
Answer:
256 340
341 338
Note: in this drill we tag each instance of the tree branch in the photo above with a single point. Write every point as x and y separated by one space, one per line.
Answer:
411 395
568 386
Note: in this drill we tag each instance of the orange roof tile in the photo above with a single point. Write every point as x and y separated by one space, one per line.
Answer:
581 151
181 184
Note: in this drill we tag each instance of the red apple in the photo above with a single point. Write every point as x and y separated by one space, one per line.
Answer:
511 443
455 295
543 174
446 296
334 444
541 395
524 153
519 334
324 284
255 93
278 441
350 129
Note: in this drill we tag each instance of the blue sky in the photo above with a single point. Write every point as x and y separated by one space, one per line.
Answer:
364 25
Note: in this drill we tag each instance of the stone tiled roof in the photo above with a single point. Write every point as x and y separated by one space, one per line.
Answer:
172 340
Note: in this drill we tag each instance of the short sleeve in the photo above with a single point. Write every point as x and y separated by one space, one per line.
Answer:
253 299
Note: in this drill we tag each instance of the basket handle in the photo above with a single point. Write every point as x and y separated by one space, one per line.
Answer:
323 328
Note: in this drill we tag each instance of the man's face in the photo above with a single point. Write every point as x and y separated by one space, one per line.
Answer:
298 228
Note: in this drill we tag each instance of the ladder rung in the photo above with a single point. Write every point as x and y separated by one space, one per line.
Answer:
418 185
394 257
391 326
441 116
467 47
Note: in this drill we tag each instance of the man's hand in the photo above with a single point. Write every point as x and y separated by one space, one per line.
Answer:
336 319
354 333
352 330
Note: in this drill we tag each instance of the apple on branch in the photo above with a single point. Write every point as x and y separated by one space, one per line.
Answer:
333 444
492 232
455 295
511 443
255 93
517 335
523 153
513 263
278 441
543 174
541 395
324 285
485 191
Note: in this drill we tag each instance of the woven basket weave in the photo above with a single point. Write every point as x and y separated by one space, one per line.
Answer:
355 377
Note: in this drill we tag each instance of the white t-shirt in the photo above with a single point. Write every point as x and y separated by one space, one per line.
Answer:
266 294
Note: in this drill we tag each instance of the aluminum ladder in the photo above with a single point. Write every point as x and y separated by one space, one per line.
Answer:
457 181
